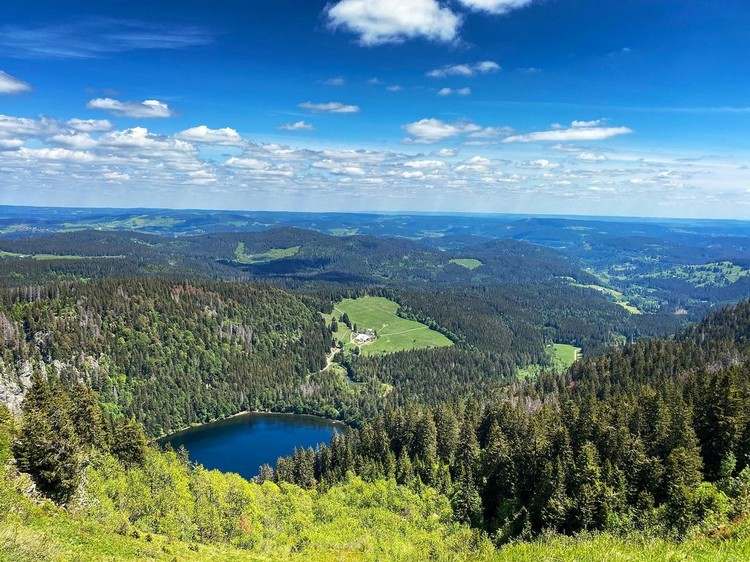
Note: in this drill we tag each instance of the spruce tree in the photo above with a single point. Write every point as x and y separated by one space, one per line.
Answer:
129 443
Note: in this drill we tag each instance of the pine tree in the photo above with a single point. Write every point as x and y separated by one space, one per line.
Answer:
48 447
554 512
467 504
87 417
498 472
129 443
404 469
447 429
589 498
425 440
265 474
682 475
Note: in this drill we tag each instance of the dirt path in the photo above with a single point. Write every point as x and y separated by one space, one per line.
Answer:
329 358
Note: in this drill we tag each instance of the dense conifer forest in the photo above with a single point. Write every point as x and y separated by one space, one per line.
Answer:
653 436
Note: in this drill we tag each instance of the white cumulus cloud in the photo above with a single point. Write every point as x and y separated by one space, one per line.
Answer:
115 177
329 107
394 21
451 91
586 124
543 164
495 6
81 141
426 131
142 109
203 134
591 157
297 126
89 125
57 154
466 70
10 144
425 164
578 131
247 163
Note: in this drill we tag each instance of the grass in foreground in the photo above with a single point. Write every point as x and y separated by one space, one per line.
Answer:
29 533
393 332
468 263
167 510
599 547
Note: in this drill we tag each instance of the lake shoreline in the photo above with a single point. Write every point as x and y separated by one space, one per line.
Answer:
166 436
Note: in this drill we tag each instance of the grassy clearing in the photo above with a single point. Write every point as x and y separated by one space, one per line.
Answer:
468 263
562 356
47 257
618 297
716 274
393 332
130 223
241 256
343 231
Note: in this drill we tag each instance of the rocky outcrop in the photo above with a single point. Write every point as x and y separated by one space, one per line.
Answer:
15 380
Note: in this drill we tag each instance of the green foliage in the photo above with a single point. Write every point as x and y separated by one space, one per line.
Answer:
166 497
48 446
129 443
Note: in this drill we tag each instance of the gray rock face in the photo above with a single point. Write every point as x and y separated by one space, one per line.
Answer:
15 380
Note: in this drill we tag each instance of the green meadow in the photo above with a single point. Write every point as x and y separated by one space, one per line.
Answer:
562 356
716 274
393 332
47 257
468 263
241 255
618 297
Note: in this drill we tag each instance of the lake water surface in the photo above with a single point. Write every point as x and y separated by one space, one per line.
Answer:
242 443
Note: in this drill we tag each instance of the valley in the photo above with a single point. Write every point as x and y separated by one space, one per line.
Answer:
432 376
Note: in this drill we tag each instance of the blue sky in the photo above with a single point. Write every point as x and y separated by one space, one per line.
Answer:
551 106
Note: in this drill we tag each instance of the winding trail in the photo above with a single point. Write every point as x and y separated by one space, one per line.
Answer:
329 358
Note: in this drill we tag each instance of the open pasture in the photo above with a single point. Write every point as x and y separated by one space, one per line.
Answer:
393 332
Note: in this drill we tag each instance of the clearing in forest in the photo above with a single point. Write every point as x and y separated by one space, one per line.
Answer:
468 263
241 256
392 333
50 257
562 356
618 297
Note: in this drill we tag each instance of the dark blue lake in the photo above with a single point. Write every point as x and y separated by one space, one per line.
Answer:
242 443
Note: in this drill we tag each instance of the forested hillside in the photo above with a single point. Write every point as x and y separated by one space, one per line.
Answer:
168 353
651 437
506 311
663 266
643 446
